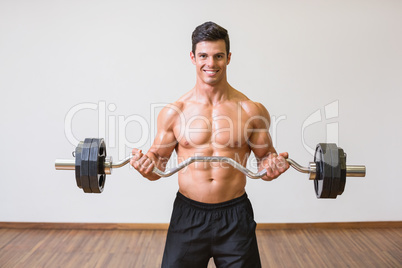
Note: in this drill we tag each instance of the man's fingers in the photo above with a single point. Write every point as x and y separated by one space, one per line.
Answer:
138 159
269 174
150 168
281 163
135 164
144 165
272 155
135 150
143 160
272 173
275 165
137 154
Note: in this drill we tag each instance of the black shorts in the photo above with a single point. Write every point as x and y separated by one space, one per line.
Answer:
223 231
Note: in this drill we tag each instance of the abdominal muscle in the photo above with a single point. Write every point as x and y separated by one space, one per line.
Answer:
209 182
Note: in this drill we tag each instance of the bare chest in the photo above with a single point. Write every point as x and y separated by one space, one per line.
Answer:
225 126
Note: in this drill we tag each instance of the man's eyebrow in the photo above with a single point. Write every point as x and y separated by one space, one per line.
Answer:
205 53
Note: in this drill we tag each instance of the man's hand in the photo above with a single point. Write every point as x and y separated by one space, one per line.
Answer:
275 165
143 164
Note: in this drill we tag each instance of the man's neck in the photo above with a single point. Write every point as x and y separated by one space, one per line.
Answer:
212 94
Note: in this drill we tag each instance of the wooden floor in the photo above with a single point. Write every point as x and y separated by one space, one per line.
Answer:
381 247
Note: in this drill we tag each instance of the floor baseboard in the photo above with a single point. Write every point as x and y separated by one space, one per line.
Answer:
164 226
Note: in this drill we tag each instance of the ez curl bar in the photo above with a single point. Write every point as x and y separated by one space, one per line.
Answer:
328 170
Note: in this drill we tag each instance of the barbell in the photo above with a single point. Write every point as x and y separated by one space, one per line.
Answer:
328 170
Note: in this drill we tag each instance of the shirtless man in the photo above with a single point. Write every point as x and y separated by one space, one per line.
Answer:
212 215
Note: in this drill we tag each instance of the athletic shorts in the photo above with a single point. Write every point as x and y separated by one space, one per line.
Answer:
223 231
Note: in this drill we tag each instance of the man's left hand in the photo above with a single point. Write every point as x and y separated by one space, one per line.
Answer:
275 165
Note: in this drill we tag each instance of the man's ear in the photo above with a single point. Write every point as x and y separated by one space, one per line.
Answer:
192 56
229 57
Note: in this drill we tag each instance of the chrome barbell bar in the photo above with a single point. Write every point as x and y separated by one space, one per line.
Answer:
351 170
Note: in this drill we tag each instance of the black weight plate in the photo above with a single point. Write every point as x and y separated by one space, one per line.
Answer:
96 162
342 158
322 183
101 164
336 170
85 154
93 166
318 180
77 155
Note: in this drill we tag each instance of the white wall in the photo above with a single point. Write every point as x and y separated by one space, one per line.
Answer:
294 58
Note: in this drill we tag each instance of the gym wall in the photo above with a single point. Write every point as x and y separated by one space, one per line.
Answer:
326 71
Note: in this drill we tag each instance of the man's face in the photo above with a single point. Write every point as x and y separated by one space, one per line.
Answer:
211 60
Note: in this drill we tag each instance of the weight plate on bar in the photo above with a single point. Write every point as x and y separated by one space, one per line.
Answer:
84 170
77 155
322 158
101 164
336 170
96 165
342 159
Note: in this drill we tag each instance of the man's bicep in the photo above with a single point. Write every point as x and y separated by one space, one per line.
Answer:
261 144
164 143
165 140
260 140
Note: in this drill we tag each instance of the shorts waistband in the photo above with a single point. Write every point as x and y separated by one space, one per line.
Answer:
208 206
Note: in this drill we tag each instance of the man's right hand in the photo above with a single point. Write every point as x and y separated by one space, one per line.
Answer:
275 165
143 164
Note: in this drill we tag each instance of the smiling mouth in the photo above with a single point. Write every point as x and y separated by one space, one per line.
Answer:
211 71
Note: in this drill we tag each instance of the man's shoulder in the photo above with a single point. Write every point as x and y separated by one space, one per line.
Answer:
254 108
244 100
172 110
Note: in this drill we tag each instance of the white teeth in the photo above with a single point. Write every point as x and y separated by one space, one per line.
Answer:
211 72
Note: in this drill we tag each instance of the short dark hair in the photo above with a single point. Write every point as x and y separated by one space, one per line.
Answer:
210 31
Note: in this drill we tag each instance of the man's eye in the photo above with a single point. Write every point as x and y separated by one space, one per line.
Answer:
203 56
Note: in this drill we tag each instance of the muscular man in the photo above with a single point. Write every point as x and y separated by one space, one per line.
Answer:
212 215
